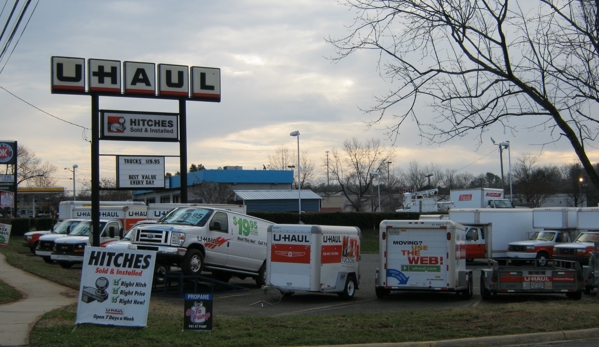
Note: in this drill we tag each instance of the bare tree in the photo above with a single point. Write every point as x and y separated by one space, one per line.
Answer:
483 63
535 184
281 159
108 191
454 180
31 170
353 169
211 193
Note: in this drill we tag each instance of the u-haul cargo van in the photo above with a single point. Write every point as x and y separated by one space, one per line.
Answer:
313 258
422 255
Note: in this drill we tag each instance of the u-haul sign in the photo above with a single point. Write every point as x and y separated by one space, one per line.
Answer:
139 79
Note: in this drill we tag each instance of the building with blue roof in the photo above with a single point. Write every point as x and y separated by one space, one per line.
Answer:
273 190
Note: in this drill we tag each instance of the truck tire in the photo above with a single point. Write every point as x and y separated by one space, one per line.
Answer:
193 263
381 292
542 259
48 260
261 278
160 271
574 295
349 289
485 294
65 264
467 293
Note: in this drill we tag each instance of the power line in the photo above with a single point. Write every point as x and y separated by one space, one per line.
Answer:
476 161
19 39
49 114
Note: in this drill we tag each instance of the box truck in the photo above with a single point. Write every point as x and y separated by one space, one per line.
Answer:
479 198
65 208
508 225
422 255
313 258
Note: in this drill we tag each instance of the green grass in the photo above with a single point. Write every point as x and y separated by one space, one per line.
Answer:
165 320
8 293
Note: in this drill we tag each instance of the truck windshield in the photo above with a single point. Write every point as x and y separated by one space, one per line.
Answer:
543 236
82 229
588 238
65 226
188 216
503 204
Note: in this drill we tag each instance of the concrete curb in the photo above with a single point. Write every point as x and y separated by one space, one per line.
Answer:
39 296
491 341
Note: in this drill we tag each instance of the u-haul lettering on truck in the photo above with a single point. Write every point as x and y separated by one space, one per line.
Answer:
537 279
291 238
331 239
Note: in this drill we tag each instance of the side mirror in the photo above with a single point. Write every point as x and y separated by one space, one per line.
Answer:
216 226
111 232
120 233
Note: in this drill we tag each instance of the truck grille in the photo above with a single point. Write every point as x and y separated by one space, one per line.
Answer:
46 245
517 248
64 248
565 251
157 237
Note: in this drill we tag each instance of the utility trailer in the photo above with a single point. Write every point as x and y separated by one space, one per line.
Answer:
313 258
562 276
422 255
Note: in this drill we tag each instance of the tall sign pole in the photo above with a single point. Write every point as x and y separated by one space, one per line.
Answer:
142 80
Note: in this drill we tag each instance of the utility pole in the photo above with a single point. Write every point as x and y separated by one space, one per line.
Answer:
328 182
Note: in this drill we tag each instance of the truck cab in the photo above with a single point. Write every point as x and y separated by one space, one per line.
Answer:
579 250
69 250
539 246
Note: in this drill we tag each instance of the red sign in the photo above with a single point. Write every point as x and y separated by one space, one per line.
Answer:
465 197
288 253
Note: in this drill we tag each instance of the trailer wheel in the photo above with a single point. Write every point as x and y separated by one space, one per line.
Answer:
193 263
65 264
542 259
467 293
48 260
261 278
485 294
574 295
381 292
350 288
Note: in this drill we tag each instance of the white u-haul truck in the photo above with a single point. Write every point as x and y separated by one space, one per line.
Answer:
313 258
422 255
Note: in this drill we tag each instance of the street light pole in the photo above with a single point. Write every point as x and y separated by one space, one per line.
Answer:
299 177
74 186
429 180
378 186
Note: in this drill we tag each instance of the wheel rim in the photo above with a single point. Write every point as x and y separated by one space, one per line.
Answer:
195 263
350 288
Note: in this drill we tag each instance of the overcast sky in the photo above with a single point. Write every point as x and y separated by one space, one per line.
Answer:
275 79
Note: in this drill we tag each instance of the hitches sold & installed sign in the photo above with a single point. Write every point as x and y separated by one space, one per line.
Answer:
139 126
140 172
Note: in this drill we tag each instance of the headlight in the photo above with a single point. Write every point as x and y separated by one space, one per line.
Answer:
581 250
177 239
530 248
79 248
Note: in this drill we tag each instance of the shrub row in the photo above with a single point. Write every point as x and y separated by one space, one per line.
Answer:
362 220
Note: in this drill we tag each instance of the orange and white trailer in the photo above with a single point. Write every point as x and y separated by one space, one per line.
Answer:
313 258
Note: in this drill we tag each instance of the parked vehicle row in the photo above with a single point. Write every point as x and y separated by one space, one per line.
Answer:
415 255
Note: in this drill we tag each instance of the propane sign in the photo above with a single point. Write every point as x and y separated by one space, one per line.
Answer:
140 172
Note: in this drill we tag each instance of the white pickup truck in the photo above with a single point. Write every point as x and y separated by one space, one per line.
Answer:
69 250
539 246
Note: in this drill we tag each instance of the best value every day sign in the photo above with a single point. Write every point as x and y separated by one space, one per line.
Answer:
115 287
140 172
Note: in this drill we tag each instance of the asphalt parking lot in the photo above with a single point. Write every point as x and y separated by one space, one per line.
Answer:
269 302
